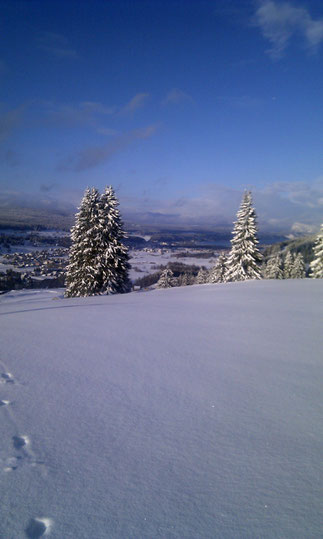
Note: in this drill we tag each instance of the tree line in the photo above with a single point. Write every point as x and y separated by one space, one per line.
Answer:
99 260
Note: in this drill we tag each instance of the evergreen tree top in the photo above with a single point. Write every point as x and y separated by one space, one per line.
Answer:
244 258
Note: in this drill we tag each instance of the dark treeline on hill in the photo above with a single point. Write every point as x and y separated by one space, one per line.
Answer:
28 218
9 241
178 269
302 245
14 280
201 254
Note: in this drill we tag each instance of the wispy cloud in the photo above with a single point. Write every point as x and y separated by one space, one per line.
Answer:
175 96
47 187
135 103
96 108
10 199
9 121
279 22
107 131
3 67
306 194
87 113
294 207
56 44
242 101
10 158
94 156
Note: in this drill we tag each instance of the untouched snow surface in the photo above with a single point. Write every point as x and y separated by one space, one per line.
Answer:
192 412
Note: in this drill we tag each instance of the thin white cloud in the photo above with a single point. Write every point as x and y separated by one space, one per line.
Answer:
107 131
10 158
279 22
56 45
94 156
96 108
9 121
303 228
243 101
281 207
3 67
86 113
175 96
135 103
306 194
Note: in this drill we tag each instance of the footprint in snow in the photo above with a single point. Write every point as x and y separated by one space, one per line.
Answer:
12 464
25 456
7 378
20 442
4 403
37 527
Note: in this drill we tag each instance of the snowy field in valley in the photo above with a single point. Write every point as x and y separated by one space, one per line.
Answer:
144 263
192 412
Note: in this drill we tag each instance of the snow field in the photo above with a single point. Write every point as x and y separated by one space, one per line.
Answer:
190 412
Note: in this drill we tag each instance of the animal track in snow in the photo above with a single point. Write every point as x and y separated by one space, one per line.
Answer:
37 527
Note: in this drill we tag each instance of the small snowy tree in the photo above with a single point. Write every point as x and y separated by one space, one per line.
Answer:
98 261
202 276
218 272
288 265
185 279
317 263
273 269
166 279
245 258
298 269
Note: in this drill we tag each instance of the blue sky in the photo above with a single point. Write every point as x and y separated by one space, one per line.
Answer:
180 105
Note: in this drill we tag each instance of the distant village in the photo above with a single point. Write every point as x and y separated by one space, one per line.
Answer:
38 268
35 269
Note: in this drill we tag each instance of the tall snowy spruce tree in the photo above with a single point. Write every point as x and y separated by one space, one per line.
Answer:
298 270
289 261
98 261
245 258
113 257
317 263
82 273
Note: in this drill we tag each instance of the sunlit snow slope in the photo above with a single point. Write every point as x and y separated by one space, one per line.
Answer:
192 412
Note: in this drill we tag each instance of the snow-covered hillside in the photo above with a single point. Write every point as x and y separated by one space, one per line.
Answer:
192 412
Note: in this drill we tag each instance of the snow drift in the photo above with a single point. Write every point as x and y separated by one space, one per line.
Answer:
182 413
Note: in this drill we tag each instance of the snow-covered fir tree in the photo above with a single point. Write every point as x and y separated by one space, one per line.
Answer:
288 265
82 272
98 261
218 272
166 280
245 258
202 276
273 268
317 263
298 269
113 255
175 281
